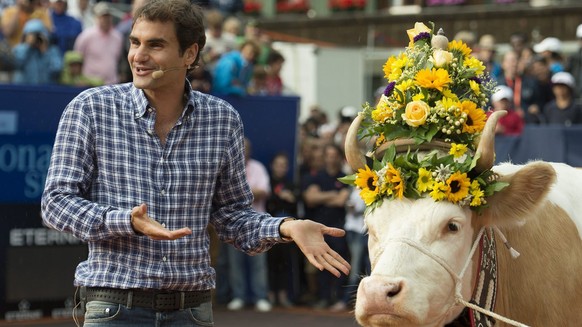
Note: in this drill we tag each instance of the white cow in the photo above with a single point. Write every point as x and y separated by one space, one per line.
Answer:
417 247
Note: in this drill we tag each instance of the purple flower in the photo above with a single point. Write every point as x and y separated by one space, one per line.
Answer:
421 36
389 88
476 79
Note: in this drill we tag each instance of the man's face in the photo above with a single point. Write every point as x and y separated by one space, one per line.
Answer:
154 46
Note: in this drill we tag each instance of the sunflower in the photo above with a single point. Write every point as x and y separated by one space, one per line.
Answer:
393 176
438 191
457 150
367 179
433 78
459 47
457 187
476 118
477 194
368 195
424 181
476 64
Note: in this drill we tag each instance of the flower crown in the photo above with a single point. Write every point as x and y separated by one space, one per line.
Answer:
436 97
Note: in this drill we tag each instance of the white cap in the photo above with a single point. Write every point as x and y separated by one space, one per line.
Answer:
564 78
548 44
579 31
502 92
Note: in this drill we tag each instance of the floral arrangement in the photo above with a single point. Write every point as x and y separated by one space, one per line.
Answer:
437 91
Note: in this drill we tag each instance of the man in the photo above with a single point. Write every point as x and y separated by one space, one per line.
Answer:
101 46
234 70
66 27
139 170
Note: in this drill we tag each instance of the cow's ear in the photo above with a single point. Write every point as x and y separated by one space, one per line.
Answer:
527 188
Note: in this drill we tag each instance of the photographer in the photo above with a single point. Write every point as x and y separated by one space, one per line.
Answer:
37 61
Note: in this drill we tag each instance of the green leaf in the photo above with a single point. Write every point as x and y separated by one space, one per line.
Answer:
348 179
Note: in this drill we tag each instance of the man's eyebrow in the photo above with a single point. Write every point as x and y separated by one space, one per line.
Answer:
152 40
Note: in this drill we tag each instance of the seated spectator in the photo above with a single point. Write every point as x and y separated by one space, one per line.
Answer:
563 109
274 83
258 84
512 123
72 72
37 61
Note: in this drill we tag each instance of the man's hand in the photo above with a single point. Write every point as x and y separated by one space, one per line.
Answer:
308 235
142 223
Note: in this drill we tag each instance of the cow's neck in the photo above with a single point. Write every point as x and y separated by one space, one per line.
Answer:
551 251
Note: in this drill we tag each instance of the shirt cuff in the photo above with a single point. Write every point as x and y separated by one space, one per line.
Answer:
118 222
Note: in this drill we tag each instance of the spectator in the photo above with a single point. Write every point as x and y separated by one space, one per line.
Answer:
550 48
274 83
234 70
525 89
227 7
510 124
574 65
216 43
518 41
540 71
15 17
283 259
37 61
563 109
485 51
326 197
83 11
72 74
66 27
200 78
101 46
256 274
258 83
231 29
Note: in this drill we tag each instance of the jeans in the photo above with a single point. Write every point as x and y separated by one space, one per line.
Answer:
105 314
255 275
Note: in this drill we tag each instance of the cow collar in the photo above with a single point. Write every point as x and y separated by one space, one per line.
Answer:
485 289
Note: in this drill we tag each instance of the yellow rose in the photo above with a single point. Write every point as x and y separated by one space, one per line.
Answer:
418 28
441 57
416 113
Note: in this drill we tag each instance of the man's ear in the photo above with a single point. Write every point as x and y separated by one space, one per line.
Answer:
191 54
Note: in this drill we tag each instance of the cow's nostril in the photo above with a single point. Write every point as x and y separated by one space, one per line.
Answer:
393 289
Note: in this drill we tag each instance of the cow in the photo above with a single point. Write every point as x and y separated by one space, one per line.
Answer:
419 249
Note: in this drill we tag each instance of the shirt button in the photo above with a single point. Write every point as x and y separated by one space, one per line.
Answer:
150 109
164 258
164 225
150 131
163 192
137 115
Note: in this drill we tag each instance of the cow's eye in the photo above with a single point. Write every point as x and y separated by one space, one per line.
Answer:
453 227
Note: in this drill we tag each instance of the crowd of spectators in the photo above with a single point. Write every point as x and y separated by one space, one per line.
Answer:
85 43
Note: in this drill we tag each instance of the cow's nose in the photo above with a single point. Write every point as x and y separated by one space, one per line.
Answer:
393 288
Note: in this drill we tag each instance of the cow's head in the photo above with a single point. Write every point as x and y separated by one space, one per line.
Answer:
417 247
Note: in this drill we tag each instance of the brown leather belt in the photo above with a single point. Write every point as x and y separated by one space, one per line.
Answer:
153 299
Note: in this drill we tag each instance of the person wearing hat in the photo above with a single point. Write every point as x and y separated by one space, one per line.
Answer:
551 49
72 74
101 46
563 109
485 51
512 123
574 65
36 60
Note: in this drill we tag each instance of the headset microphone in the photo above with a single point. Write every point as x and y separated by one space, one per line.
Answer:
160 73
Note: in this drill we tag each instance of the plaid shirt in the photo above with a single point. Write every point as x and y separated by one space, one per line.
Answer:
107 159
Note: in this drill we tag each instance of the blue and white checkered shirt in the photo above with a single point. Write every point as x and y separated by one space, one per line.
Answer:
107 159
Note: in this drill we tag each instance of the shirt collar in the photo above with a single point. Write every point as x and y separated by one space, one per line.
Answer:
141 102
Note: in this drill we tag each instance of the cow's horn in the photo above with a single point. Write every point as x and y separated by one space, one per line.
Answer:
486 147
354 155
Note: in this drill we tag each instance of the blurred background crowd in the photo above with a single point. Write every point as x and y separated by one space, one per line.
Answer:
84 43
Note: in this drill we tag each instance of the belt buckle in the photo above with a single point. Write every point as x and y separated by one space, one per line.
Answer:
161 301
